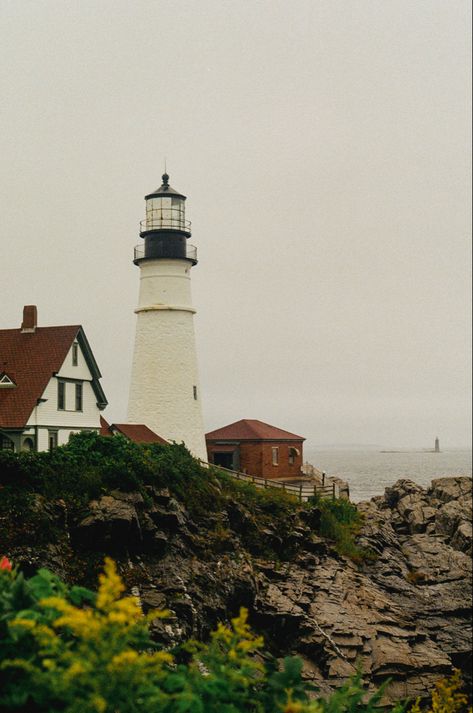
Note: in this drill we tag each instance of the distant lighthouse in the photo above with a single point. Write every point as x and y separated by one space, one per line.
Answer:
164 391
437 446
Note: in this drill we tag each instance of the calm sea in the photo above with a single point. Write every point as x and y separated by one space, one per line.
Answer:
369 472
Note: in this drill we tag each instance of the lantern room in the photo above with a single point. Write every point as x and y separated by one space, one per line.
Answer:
165 229
165 210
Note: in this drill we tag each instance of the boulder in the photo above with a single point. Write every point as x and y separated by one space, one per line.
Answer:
462 539
172 517
446 489
111 524
448 517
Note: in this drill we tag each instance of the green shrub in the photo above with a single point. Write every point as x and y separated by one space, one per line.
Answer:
340 522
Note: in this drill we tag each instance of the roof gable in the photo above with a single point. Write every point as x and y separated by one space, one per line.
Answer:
137 432
31 359
248 429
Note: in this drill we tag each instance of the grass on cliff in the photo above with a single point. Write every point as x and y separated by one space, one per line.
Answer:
340 522
90 466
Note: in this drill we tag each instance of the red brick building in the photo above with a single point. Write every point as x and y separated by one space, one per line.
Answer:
256 448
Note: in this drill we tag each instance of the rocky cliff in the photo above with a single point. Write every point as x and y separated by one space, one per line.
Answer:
403 614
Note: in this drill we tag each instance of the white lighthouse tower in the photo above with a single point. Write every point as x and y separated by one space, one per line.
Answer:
164 391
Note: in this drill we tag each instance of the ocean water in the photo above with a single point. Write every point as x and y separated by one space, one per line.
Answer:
369 472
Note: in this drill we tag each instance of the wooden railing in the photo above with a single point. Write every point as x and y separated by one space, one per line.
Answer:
302 491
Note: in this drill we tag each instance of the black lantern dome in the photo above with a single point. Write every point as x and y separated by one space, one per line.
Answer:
165 229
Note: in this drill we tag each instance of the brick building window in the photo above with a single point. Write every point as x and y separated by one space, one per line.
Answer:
275 455
293 453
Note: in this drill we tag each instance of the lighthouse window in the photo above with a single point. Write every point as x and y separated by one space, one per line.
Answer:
195 392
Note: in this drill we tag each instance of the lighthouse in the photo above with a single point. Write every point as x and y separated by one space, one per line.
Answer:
164 391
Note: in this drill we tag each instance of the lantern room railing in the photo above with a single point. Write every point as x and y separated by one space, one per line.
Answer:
165 219
191 252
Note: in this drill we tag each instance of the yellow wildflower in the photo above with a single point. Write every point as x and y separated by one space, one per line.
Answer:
22 624
291 705
123 659
75 669
56 603
111 585
223 633
99 703
128 606
445 697
240 624
160 657
81 622
116 617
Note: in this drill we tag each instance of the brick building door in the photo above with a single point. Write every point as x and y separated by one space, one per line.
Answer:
224 459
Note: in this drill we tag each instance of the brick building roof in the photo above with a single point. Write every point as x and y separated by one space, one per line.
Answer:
137 432
251 430
30 359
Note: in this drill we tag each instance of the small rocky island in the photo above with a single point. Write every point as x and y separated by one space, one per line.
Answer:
402 612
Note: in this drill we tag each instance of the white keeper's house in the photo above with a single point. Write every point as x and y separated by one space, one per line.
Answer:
49 385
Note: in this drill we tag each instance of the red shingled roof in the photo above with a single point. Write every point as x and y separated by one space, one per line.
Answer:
251 430
30 359
137 432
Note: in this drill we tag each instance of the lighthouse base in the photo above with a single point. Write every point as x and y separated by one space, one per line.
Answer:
165 392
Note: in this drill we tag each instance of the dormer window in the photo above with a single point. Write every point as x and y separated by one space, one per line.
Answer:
6 382
75 354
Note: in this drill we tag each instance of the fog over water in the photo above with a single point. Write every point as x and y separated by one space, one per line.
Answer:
369 471
324 149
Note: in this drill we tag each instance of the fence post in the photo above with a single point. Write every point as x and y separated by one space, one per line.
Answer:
315 491
300 492
323 478
265 483
333 491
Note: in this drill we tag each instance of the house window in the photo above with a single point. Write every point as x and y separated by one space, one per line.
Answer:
195 392
61 395
75 354
6 382
78 397
7 444
52 440
275 455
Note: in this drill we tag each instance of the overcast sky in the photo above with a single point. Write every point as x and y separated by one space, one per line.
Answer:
324 149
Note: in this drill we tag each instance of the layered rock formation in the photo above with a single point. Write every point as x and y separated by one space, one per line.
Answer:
403 614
